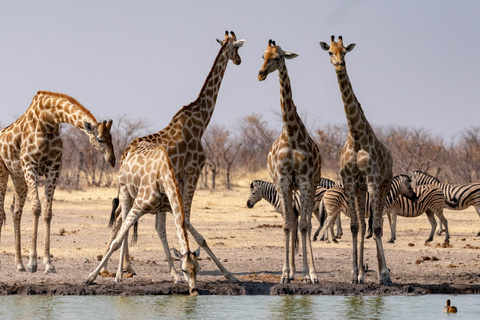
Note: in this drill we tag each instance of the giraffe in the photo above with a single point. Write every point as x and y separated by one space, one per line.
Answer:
147 180
366 165
182 140
294 163
31 147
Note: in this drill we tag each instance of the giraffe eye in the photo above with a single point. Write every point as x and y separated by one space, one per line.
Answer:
329 53
100 140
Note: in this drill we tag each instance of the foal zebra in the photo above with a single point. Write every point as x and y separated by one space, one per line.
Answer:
462 195
334 201
266 190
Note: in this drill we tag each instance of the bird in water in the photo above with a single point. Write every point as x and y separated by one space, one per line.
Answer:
449 309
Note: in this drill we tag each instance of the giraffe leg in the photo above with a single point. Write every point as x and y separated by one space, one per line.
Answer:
20 197
126 208
360 205
202 243
289 222
377 201
349 185
31 181
160 219
293 248
134 214
3 190
50 184
309 272
113 234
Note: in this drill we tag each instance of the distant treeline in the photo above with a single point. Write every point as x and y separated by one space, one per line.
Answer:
234 153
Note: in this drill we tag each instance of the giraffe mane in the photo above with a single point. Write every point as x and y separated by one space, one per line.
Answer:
70 99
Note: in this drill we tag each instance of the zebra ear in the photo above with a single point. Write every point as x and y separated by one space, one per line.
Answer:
176 254
251 185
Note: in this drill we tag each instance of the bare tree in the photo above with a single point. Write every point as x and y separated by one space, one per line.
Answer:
229 156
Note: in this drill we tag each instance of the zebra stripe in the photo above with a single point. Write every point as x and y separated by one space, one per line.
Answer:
335 201
430 201
266 190
461 196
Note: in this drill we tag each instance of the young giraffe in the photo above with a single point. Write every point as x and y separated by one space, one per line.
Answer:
294 163
182 140
147 180
31 147
366 165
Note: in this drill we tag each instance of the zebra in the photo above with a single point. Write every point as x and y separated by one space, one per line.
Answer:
260 189
430 200
462 195
334 201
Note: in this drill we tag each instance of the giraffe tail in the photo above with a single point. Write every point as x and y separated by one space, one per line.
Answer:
135 233
113 214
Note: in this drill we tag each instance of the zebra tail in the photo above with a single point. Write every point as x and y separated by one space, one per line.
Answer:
322 215
452 204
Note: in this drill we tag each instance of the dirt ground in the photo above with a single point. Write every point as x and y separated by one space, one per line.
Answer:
249 242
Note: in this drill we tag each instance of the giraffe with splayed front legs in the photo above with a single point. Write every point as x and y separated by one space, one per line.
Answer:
366 165
294 163
147 180
182 140
30 148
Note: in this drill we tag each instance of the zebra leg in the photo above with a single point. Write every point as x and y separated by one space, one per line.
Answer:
443 221
478 211
433 223
440 228
339 227
392 221
320 214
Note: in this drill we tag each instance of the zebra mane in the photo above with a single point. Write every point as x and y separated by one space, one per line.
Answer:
424 174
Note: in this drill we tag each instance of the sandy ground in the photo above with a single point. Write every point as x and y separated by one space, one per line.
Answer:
249 242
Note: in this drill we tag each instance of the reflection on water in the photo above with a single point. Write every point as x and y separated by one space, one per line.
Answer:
236 307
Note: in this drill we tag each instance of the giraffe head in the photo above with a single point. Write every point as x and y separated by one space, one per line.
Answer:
337 51
190 267
101 139
231 45
273 57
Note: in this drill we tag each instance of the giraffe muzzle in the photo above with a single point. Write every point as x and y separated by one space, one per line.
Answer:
262 75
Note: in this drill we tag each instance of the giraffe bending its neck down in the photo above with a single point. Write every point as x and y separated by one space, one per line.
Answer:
182 140
31 147
146 180
294 163
365 164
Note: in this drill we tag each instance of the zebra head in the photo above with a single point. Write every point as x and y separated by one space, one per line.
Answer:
255 193
405 187
401 185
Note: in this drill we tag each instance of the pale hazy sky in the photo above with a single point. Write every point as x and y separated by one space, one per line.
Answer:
416 62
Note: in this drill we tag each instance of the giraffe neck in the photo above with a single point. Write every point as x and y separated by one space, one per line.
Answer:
202 108
55 108
291 121
357 122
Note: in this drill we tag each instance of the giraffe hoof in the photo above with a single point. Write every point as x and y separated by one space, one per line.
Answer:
284 280
21 269
32 269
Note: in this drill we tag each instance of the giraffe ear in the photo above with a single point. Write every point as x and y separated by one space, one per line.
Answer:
176 254
197 252
239 43
290 55
324 46
350 47
88 127
220 41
